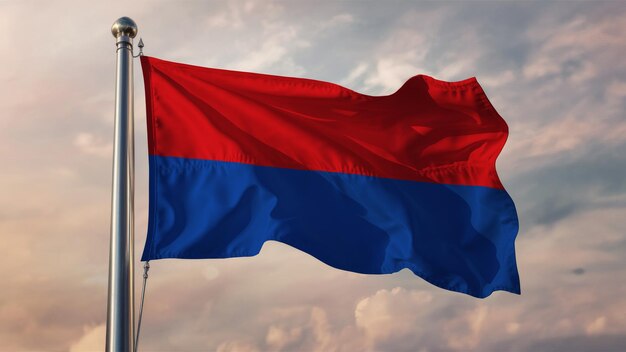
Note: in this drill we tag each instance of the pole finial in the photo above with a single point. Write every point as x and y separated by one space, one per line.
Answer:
124 26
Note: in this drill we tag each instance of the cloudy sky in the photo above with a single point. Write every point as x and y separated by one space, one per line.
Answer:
555 71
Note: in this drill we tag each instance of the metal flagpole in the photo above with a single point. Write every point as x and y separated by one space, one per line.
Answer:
121 301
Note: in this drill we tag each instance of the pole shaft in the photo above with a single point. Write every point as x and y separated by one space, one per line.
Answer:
120 307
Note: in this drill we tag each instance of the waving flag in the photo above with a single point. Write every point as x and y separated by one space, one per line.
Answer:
369 184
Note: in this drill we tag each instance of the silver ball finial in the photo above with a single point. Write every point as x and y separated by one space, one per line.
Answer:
124 26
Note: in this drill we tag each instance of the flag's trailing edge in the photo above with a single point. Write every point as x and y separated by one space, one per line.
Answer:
369 184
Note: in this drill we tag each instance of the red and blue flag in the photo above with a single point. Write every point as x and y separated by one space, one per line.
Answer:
369 184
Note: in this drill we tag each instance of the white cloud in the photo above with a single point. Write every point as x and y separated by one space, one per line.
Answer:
337 20
391 73
497 80
418 45
391 313
237 346
542 138
92 340
276 47
321 330
355 74
540 67
278 338
576 48
464 332
90 144
229 18
459 66
596 326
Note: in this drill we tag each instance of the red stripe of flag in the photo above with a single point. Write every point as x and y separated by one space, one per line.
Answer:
429 130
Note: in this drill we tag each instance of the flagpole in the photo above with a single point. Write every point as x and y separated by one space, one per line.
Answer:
121 302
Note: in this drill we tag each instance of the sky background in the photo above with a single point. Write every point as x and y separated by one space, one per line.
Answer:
556 71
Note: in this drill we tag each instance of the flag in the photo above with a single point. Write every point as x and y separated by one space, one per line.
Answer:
368 184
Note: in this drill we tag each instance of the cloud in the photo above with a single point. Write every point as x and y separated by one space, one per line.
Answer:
321 330
274 49
355 74
93 340
567 134
337 20
576 48
230 18
579 343
391 73
90 144
464 331
596 326
237 346
563 188
278 338
500 79
270 42
389 314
